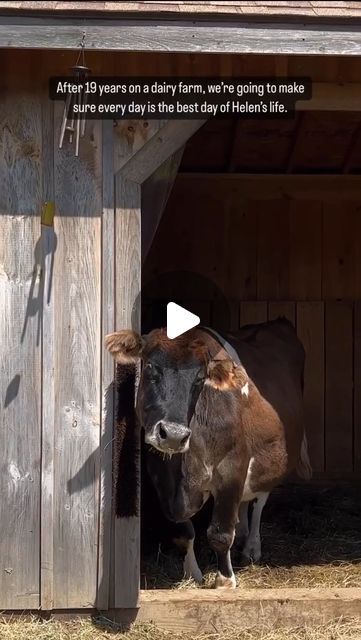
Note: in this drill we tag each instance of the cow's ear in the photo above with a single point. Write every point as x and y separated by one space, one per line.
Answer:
225 374
125 346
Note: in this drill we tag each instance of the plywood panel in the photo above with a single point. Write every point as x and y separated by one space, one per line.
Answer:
253 312
20 347
305 250
310 329
273 251
339 392
77 369
282 309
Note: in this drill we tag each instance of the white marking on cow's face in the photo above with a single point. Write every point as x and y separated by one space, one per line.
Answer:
245 390
248 494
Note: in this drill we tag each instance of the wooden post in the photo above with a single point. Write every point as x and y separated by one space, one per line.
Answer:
138 152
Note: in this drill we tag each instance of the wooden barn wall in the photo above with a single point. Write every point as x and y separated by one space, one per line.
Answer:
50 366
294 250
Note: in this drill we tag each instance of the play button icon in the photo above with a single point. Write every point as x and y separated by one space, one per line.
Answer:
179 320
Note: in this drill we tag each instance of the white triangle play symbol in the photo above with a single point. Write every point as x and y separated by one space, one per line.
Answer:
179 320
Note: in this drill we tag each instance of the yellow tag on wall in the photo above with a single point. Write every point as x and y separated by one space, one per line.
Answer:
47 214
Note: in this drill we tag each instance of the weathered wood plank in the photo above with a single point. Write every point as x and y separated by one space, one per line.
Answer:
48 239
128 283
20 349
169 138
310 330
196 611
183 35
339 383
155 194
107 326
77 291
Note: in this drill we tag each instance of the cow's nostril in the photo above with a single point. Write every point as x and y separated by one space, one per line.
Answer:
162 432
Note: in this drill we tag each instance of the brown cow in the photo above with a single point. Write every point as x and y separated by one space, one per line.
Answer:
228 415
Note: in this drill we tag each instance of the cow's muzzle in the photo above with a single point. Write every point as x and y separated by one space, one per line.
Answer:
169 437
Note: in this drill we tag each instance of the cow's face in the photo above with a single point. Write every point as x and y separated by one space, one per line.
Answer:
173 375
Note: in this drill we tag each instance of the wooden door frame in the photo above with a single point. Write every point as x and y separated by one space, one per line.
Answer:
128 166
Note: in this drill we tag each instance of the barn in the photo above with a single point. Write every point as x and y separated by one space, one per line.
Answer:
278 206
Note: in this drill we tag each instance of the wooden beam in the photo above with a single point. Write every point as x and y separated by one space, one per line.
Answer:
196 611
127 286
107 326
169 138
155 194
49 242
276 186
332 96
211 35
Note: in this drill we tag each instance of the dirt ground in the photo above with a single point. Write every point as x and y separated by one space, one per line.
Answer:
311 537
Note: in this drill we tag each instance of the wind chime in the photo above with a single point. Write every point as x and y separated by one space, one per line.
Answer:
72 122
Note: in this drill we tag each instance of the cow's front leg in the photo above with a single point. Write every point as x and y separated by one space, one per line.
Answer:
221 533
183 537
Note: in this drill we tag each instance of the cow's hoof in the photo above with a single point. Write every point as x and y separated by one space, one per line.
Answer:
195 574
192 570
252 551
222 582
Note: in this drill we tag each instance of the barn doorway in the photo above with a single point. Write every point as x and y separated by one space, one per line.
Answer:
269 213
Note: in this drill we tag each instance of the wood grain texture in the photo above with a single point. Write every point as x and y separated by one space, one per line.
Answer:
48 239
310 330
338 386
195 611
77 294
128 283
169 138
107 326
302 9
20 349
207 36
